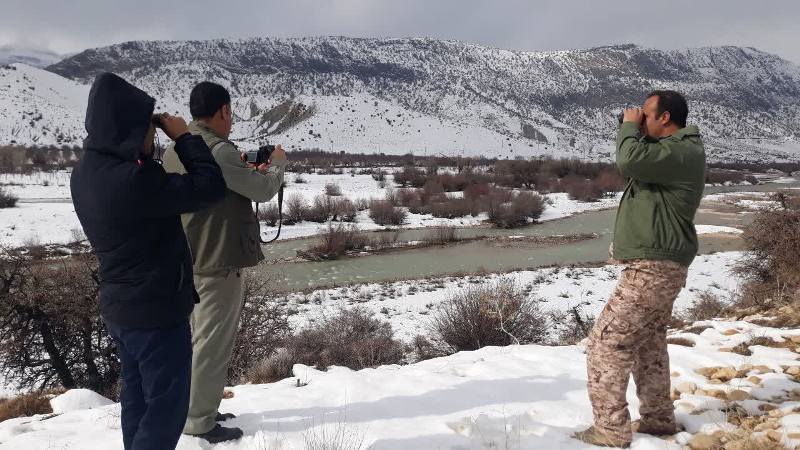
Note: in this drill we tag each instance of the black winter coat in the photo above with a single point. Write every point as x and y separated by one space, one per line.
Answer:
130 208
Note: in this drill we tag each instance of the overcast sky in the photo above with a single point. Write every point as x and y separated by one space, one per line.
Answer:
71 26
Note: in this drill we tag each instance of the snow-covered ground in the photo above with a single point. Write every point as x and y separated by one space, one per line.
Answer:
45 214
518 397
408 305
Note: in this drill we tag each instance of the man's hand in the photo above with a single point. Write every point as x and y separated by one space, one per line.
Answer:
635 115
173 126
277 155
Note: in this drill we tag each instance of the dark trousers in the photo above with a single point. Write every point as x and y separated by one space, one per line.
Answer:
156 378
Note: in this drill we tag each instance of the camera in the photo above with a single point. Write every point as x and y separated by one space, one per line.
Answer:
156 120
259 156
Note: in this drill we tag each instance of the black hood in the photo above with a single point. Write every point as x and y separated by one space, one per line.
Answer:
117 117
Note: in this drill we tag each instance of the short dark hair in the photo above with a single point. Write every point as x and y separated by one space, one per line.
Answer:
206 99
674 103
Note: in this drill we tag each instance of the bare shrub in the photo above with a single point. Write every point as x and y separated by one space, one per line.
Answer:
574 326
50 325
361 204
770 266
321 209
338 435
276 367
489 314
410 176
26 405
581 189
405 197
441 235
451 208
263 326
706 306
344 210
269 214
296 209
528 204
299 179
351 338
609 182
335 242
383 213
333 190
7 200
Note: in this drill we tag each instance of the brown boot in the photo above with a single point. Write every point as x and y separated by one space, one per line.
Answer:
654 430
596 437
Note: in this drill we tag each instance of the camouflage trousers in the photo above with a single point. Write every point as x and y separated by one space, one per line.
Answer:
630 337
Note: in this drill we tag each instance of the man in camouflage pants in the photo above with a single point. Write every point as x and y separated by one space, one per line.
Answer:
655 240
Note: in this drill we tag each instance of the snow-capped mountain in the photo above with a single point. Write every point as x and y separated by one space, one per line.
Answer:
31 57
441 97
40 108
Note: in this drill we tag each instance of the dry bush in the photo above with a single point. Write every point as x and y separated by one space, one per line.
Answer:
574 326
26 405
517 212
321 209
707 306
263 326
441 235
476 191
405 197
269 214
724 177
770 266
489 314
351 338
529 204
296 210
581 189
299 179
276 367
344 210
335 242
50 326
382 212
451 208
333 190
7 200
610 182
432 191
410 177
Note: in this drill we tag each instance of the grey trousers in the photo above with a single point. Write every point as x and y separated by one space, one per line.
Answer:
214 323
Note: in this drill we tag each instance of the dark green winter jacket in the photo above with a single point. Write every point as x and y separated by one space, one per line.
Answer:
655 219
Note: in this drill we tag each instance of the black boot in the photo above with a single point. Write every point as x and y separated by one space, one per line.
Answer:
221 434
222 417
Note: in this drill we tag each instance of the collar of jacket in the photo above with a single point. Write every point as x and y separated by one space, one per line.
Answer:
690 130
202 127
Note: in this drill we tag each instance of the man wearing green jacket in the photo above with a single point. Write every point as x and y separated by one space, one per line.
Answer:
655 241
223 240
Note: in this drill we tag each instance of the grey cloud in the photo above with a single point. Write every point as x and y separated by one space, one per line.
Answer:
516 24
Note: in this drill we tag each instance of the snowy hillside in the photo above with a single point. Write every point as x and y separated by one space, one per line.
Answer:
40 107
441 97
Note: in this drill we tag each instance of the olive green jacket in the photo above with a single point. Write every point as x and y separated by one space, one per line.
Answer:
226 235
655 219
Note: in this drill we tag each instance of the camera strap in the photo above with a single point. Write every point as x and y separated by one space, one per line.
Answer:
280 218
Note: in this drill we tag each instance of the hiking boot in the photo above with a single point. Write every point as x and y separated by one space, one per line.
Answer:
654 430
223 417
221 434
596 437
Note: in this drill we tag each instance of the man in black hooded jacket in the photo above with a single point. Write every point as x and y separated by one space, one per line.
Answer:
130 209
